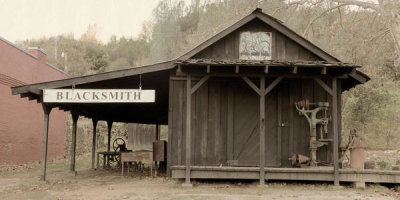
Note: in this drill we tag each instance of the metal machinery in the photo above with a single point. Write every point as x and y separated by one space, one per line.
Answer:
119 145
304 108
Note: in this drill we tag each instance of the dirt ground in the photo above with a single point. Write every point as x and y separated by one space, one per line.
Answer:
23 183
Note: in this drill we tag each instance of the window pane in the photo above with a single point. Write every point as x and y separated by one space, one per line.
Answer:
255 46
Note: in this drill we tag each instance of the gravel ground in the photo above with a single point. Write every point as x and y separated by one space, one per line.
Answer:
23 183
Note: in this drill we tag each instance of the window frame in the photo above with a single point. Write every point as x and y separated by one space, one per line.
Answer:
252 32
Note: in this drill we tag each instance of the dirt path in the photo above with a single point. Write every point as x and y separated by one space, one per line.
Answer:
107 184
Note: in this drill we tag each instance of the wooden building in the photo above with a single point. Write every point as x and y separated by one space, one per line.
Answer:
229 104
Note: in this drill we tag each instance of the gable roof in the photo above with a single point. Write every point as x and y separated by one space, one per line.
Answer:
256 14
17 47
30 54
271 21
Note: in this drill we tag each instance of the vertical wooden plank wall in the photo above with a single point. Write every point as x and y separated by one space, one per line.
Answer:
246 124
225 122
286 112
272 136
285 48
141 136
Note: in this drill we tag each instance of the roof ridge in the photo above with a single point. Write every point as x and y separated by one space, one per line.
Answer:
267 19
17 47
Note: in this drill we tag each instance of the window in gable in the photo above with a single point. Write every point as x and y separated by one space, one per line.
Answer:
255 46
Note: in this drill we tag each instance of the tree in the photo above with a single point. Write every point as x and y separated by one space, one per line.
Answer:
91 35
388 10
96 58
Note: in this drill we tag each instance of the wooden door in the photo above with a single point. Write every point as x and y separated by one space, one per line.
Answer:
244 134
272 132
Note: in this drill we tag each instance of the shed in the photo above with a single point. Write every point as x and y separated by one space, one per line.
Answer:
229 103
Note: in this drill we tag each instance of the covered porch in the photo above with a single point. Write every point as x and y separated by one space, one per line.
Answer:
146 78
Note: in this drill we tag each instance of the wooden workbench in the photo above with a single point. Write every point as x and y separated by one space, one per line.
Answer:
137 156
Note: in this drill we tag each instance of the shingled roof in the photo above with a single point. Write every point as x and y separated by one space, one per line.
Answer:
275 63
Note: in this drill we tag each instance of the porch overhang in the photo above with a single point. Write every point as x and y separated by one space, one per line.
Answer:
348 73
155 77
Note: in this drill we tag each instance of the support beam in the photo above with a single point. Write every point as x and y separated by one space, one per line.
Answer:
198 84
170 114
109 127
262 91
179 70
237 69
157 132
262 131
335 132
323 71
252 85
358 77
75 117
94 122
266 69
188 126
208 69
324 86
272 85
294 70
254 74
46 111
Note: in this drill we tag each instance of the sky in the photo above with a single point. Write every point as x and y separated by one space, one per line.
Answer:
33 19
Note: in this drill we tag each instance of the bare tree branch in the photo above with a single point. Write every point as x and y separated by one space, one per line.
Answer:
382 33
363 4
320 15
388 9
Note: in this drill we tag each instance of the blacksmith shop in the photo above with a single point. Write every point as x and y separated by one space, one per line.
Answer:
255 101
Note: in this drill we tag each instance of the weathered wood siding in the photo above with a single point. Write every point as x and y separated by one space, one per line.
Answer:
225 117
283 48
141 136
225 111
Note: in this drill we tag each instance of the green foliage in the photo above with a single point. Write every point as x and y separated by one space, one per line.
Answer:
382 164
127 52
96 58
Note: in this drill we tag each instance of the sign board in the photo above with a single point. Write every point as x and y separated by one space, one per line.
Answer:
98 96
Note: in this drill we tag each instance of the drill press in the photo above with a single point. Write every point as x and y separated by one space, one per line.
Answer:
304 108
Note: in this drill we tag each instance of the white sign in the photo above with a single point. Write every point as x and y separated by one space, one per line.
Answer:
98 96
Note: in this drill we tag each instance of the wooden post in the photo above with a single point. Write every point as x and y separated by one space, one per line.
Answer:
157 132
94 122
75 117
335 132
109 127
262 130
169 146
188 126
46 111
